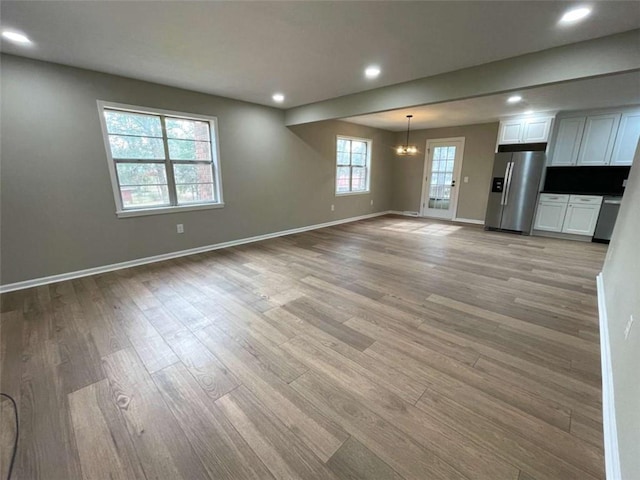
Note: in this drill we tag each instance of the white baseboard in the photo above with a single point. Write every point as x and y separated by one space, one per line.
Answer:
405 213
36 282
611 453
457 219
469 220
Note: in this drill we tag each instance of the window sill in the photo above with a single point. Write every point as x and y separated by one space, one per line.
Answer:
161 210
346 194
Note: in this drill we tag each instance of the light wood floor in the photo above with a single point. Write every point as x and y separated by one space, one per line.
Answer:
393 348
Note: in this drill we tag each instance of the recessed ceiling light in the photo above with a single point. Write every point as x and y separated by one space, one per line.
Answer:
16 37
575 14
514 99
278 97
528 112
372 71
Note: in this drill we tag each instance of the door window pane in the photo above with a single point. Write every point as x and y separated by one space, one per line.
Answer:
442 167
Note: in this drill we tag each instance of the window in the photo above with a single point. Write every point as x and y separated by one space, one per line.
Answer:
353 165
160 161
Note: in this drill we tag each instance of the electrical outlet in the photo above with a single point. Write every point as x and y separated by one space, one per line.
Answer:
627 329
371 202
333 208
466 179
180 228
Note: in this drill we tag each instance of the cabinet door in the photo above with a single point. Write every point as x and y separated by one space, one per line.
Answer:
536 130
597 141
581 219
567 144
627 139
550 216
510 131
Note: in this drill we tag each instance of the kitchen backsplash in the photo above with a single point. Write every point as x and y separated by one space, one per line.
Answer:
586 180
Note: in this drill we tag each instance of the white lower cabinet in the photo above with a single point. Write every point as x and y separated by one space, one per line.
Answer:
582 214
574 214
550 216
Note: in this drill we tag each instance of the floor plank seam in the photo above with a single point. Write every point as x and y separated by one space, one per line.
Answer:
469 349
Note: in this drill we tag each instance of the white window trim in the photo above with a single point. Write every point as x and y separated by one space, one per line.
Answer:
369 143
122 212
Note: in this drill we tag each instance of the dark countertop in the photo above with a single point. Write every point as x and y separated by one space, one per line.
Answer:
601 194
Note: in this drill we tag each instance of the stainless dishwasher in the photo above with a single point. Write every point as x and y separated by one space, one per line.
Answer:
607 219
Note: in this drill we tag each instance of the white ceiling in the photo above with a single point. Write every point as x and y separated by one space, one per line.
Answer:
309 50
610 91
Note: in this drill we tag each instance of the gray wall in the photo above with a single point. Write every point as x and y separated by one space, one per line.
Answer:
622 294
58 212
479 150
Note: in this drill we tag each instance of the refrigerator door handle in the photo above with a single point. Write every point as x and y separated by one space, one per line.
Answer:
506 182
507 187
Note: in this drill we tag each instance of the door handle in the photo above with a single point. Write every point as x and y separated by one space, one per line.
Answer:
506 182
453 183
508 186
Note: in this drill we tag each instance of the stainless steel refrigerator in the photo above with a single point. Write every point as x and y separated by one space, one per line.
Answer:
514 190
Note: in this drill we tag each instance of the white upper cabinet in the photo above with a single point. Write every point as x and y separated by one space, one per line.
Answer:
593 138
510 132
598 139
524 130
567 144
536 130
627 139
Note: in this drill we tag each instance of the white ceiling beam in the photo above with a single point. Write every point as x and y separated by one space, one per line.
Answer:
592 58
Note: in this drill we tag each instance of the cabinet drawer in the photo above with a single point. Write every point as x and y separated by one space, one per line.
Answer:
586 199
554 198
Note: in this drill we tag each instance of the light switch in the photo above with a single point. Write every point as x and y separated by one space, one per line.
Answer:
466 180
